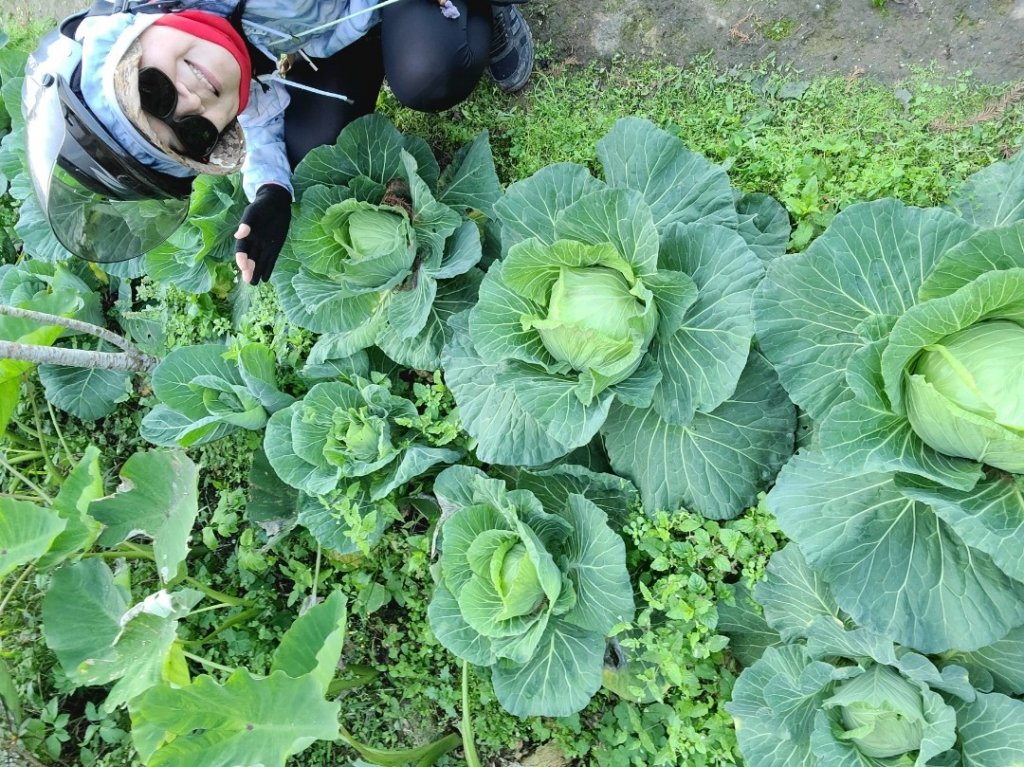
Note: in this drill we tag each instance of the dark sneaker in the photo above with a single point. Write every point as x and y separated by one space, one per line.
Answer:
511 48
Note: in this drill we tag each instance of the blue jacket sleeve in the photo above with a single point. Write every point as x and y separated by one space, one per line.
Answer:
266 160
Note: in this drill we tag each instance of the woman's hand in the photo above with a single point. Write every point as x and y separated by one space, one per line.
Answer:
262 232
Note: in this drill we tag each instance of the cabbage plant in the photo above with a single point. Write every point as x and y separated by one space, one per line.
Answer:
340 431
621 307
898 332
384 245
529 591
820 691
206 392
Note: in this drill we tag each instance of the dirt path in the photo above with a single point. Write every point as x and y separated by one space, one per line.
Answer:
815 36
884 38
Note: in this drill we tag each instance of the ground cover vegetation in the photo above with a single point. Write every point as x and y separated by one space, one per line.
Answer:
417 491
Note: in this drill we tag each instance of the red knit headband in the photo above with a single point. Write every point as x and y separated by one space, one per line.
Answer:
216 29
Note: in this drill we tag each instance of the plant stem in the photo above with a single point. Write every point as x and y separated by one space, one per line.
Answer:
217 595
60 434
234 620
360 676
424 756
18 581
39 430
207 663
468 744
28 482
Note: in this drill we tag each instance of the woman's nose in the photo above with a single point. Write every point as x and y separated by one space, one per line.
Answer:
189 103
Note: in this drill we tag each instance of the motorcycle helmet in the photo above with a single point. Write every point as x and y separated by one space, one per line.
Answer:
101 200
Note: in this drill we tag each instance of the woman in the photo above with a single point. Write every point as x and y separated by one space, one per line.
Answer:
126 104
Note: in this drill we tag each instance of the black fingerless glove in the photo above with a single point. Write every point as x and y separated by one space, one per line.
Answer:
268 217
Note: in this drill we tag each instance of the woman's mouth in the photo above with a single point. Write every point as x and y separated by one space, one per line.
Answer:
205 76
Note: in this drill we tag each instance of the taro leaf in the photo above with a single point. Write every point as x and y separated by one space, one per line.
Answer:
679 185
518 413
991 731
988 251
368 146
10 389
529 207
718 463
870 261
97 639
1003 661
82 616
452 631
26 532
893 565
470 181
559 679
159 499
764 224
794 597
994 196
141 654
81 487
552 487
245 722
423 351
312 644
86 393
703 359
768 735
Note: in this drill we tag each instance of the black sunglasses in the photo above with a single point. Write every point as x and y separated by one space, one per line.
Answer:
159 97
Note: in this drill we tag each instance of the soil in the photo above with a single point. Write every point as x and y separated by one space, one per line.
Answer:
882 38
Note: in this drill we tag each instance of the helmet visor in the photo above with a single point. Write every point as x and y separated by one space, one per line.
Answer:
91 195
98 228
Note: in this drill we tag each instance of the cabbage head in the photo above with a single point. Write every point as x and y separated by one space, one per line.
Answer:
900 333
817 690
340 431
597 317
882 712
530 592
620 311
384 244
965 394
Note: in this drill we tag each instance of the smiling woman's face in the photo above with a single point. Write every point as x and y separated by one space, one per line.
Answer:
205 75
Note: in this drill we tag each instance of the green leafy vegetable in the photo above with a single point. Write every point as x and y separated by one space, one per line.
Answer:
530 592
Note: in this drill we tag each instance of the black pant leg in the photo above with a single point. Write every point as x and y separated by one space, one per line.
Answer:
432 62
312 120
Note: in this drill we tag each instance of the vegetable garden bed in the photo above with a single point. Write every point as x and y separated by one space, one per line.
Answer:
601 438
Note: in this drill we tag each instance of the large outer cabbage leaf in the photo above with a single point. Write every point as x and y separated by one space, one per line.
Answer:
919 544
668 221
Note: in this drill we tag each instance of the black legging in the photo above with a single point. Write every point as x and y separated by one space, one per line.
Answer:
430 62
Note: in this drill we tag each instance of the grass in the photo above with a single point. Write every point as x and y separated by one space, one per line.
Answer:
842 140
